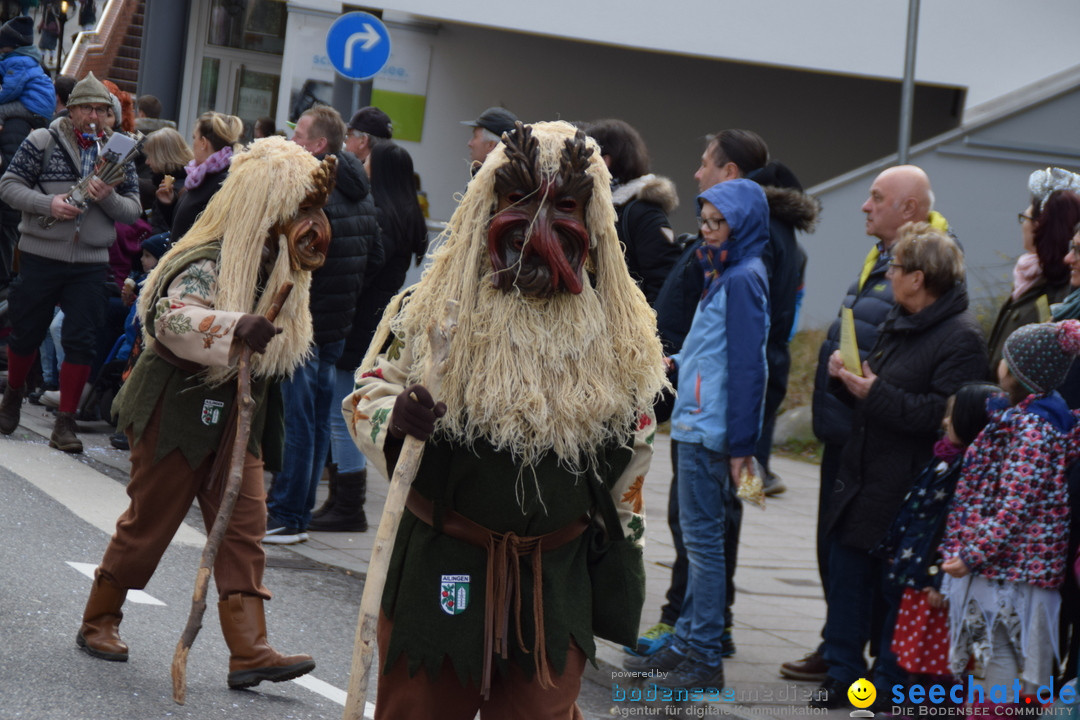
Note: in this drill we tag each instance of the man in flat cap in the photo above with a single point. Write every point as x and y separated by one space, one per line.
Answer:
487 131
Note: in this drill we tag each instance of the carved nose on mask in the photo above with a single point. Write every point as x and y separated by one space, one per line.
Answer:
544 243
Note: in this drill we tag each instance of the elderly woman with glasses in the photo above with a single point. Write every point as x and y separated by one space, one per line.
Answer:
1041 275
928 346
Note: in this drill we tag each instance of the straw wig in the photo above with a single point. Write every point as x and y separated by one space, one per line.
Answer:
566 373
265 188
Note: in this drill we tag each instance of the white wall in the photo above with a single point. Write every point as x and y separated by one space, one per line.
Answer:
820 125
990 46
979 189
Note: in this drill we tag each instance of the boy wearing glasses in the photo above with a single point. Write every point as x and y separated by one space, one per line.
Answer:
716 421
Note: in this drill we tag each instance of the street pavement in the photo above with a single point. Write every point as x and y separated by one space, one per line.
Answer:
778 612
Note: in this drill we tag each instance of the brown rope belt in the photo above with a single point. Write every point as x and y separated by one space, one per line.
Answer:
503 587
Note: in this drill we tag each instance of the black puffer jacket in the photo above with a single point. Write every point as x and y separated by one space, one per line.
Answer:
871 300
920 360
354 237
641 207
785 262
381 286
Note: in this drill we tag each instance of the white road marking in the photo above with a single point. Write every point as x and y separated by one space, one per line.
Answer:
135 596
99 500
330 692
93 496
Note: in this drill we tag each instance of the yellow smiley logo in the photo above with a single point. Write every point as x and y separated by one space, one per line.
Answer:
862 693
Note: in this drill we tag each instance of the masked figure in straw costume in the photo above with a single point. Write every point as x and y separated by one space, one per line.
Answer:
205 299
543 418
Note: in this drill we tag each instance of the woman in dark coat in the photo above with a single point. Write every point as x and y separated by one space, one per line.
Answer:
402 234
642 203
213 141
167 154
929 345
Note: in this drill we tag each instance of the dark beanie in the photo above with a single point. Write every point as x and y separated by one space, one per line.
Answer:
157 245
17 32
969 414
1039 355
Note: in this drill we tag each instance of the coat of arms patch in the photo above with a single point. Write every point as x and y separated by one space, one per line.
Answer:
454 594
211 412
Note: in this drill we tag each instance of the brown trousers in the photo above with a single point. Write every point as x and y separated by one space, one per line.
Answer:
161 495
513 697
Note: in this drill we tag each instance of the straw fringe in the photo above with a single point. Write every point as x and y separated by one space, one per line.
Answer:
265 186
564 374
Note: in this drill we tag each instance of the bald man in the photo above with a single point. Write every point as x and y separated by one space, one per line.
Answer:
897 195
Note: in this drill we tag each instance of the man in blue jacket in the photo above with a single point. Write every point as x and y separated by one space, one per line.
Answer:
717 419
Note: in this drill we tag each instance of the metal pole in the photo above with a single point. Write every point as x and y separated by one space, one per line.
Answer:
907 92
348 96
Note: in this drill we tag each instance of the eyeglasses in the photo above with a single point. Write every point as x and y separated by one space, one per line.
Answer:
711 223
898 267
1021 217
358 134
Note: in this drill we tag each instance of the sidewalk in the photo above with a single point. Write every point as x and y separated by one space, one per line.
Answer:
779 609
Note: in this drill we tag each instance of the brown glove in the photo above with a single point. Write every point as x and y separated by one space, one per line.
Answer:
256 331
414 413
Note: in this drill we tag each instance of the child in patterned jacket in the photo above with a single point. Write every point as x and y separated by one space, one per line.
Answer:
921 640
1006 538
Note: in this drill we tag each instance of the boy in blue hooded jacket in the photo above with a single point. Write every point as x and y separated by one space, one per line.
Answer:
717 418
26 89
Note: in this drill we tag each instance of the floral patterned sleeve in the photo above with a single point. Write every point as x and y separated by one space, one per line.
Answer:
186 321
986 519
628 489
367 409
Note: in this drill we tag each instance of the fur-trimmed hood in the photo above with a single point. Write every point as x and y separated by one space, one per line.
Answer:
652 188
794 207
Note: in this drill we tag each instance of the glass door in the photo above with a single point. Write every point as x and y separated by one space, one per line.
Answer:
238 59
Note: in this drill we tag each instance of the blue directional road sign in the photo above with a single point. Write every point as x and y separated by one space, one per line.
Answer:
358 45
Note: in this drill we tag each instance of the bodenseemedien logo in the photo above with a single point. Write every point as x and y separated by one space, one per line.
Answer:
862 694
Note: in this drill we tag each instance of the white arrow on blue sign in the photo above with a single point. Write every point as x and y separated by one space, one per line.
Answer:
358 45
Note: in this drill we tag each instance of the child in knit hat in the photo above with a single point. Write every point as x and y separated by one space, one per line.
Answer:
1006 539
27 91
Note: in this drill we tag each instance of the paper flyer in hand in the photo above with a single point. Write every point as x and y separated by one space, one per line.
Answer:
849 347
118 143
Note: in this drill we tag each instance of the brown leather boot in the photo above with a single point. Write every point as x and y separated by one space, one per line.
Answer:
100 632
252 660
11 409
63 434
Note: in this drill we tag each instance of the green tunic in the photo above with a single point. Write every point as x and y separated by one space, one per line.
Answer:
195 414
489 488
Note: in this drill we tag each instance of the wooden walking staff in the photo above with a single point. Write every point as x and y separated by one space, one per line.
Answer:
439 337
225 511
